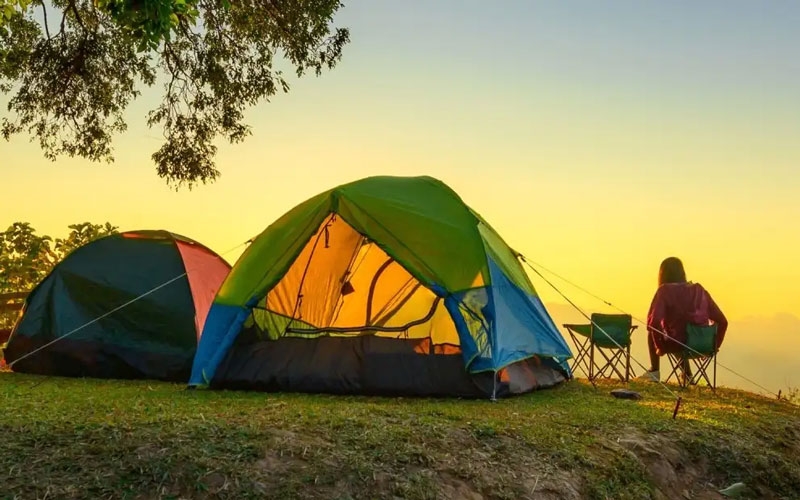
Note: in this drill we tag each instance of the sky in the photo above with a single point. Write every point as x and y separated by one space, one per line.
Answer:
597 138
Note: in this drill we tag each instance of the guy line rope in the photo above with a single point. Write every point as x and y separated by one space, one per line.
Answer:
531 264
678 399
521 257
118 308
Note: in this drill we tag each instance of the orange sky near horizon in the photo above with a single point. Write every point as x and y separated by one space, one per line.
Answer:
592 155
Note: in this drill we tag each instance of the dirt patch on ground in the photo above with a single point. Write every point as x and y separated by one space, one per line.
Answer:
453 488
554 486
791 437
287 450
674 473
480 468
280 438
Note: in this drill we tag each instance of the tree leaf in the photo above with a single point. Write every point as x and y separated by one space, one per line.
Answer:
71 81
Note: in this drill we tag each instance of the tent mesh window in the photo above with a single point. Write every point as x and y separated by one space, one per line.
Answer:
344 285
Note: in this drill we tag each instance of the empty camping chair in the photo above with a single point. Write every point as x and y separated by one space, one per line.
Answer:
604 346
700 352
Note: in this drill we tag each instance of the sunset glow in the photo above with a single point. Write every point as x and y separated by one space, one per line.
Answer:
596 140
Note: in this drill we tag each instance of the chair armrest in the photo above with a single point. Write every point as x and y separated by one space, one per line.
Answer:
582 329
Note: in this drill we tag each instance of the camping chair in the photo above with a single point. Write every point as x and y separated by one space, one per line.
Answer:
608 335
700 351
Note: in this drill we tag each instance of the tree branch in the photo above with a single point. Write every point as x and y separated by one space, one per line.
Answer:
44 14
74 8
76 80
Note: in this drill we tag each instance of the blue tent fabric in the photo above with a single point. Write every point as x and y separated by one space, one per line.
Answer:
521 324
223 324
500 324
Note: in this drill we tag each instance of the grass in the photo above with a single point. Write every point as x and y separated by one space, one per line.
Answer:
81 438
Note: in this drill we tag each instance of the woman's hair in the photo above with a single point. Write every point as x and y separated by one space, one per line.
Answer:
671 271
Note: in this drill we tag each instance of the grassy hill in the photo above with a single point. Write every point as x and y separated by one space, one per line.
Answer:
65 438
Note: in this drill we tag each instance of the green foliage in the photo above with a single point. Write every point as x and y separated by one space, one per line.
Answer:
26 258
72 67
81 234
114 439
11 8
150 21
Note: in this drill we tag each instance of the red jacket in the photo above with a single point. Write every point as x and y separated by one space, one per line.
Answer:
674 306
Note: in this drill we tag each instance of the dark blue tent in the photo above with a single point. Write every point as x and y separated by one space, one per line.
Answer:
129 305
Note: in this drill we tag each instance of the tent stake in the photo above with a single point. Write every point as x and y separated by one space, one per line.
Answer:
677 407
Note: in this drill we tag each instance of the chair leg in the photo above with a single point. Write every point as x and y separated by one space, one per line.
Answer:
674 362
714 387
679 373
581 360
612 363
707 365
688 376
703 366
611 366
628 364
616 362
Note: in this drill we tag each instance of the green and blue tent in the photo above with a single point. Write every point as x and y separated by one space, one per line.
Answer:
386 285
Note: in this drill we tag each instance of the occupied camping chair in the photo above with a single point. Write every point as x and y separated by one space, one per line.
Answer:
604 346
701 352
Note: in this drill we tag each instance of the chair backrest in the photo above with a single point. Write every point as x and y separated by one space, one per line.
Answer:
701 339
616 326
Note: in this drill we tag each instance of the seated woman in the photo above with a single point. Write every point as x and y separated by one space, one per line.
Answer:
677 303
